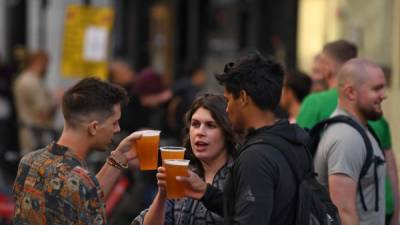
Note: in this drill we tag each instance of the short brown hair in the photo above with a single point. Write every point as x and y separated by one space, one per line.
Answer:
37 56
341 50
91 96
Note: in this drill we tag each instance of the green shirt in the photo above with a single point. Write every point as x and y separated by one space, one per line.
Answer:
319 106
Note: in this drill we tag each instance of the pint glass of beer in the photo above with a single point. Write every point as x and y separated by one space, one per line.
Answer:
147 149
172 152
174 168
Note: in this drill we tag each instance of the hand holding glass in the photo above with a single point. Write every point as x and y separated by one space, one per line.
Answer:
147 149
174 168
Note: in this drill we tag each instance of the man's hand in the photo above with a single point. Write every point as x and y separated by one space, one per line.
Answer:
196 187
127 149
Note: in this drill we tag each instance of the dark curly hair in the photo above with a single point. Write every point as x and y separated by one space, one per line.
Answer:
216 104
260 77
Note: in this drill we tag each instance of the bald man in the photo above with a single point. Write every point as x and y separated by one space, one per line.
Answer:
341 152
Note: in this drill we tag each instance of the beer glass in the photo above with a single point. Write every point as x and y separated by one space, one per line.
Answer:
174 168
172 152
147 149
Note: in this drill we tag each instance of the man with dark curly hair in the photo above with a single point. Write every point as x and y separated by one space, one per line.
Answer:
262 187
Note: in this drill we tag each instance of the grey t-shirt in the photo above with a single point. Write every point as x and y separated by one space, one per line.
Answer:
342 151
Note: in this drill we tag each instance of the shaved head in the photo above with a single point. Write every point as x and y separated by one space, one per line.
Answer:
355 72
361 86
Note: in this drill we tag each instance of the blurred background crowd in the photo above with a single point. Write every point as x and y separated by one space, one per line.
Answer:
165 52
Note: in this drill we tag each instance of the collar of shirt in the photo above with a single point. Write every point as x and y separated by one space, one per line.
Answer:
57 149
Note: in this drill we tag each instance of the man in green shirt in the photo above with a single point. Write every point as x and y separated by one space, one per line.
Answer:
319 106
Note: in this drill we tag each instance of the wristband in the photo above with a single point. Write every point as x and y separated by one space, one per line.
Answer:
117 161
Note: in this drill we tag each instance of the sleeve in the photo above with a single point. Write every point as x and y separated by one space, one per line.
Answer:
254 188
140 218
309 113
169 214
213 200
22 173
18 189
346 151
382 130
86 194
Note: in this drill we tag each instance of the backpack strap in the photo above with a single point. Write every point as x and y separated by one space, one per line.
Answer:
378 161
370 158
371 130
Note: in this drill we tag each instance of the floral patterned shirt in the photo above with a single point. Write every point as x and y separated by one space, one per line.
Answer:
53 186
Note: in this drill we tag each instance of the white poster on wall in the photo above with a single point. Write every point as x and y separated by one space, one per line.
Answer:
95 44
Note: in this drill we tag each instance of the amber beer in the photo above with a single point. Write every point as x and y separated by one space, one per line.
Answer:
147 149
174 168
172 152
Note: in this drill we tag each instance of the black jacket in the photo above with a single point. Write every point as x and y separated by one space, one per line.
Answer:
261 188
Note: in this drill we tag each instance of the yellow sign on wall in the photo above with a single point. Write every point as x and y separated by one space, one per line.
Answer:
86 41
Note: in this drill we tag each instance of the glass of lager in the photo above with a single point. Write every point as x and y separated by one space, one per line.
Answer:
172 152
174 168
147 149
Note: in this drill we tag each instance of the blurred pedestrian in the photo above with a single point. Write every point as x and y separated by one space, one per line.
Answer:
153 97
35 105
122 74
185 89
296 87
319 82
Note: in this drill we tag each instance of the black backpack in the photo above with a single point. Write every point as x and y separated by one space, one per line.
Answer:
314 206
315 135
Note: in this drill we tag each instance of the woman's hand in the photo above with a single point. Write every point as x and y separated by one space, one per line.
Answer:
161 182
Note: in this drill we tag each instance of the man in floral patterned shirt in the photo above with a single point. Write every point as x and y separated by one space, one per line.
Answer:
53 184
